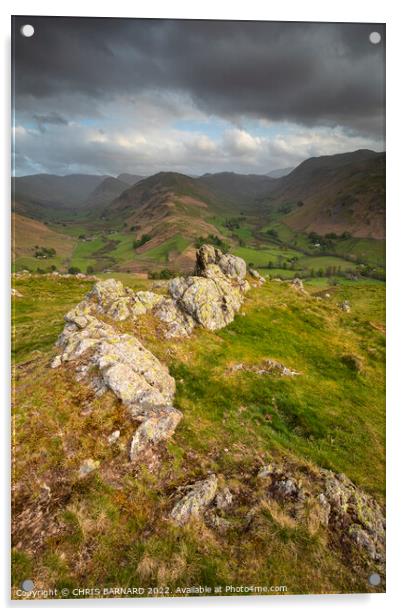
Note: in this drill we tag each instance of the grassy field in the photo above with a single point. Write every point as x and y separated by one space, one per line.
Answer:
324 262
116 532
262 256
82 256
363 250
160 254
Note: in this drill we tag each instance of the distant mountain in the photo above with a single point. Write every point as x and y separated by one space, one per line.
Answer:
236 187
162 216
278 173
343 192
44 195
129 178
158 196
104 193
166 206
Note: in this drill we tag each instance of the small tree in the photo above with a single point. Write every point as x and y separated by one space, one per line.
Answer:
74 270
143 240
90 269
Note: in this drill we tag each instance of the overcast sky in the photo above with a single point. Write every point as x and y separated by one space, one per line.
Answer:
141 96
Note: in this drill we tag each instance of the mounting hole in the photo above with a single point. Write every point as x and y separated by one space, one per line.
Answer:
27 30
27 585
374 579
375 38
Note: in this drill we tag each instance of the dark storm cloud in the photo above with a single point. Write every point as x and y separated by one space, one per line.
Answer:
311 74
52 118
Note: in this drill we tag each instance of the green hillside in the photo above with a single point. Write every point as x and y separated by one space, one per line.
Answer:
326 217
115 527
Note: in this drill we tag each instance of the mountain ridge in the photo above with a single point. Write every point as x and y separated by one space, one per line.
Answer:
162 218
343 192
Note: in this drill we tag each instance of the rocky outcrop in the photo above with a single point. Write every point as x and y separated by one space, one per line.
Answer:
298 286
110 360
315 498
211 301
232 267
159 426
122 363
259 280
345 306
111 298
356 515
15 293
119 362
224 499
353 517
194 503
268 366
211 298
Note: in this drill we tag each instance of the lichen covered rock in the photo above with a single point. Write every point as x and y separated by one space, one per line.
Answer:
338 505
297 285
179 324
211 300
257 276
345 306
132 372
232 267
194 503
111 360
160 426
205 256
120 363
356 512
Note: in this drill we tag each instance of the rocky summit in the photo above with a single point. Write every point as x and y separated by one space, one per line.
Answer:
210 298
111 360
214 294
109 357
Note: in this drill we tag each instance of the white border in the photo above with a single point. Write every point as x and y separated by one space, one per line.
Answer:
285 10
